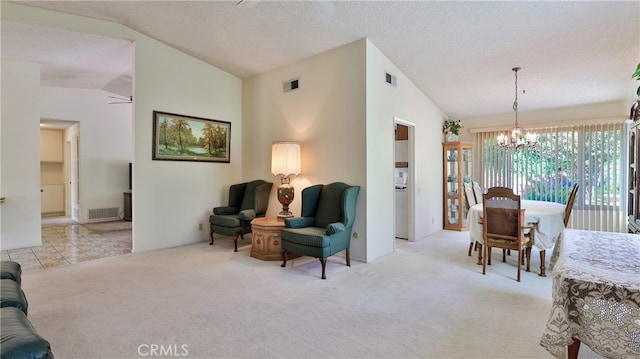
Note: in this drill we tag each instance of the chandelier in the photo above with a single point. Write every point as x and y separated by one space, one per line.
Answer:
517 138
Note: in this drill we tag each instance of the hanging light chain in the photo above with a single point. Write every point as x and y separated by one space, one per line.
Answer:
517 138
515 103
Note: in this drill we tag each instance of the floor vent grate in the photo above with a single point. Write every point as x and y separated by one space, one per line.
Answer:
103 213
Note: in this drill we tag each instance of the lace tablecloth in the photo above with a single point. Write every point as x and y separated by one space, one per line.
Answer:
596 294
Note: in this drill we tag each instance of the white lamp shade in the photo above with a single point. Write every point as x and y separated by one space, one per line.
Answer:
285 158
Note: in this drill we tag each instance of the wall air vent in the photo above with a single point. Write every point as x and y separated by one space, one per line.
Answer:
290 85
390 79
99 214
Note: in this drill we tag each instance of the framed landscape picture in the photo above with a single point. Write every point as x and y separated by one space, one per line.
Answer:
188 138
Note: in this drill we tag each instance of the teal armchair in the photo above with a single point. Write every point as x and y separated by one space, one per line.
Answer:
247 201
324 228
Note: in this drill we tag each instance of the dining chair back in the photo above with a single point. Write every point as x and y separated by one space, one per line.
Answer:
477 190
470 200
569 206
469 196
503 226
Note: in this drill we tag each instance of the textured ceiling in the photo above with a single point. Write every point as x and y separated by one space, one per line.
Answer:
71 59
460 54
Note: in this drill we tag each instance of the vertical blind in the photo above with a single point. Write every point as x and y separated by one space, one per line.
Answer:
594 156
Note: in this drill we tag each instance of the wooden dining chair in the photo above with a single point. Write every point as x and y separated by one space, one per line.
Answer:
569 206
477 190
469 196
503 226
476 193
470 200
528 232
567 215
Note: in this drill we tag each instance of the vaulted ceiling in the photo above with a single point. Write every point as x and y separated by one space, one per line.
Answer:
460 54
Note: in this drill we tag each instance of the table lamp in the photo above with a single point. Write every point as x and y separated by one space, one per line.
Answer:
285 161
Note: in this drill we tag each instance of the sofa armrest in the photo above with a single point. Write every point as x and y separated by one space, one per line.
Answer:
225 210
19 338
299 222
335 227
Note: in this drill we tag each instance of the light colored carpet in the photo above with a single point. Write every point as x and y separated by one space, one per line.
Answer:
426 300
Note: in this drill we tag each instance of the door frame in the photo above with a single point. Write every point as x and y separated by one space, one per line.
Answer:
67 178
411 180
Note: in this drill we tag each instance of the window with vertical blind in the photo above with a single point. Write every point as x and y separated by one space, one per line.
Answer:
592 156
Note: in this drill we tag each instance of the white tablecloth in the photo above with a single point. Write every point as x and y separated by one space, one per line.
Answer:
596 294
547 217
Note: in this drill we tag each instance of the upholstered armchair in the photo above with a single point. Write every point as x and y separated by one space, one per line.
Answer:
324 228
246 201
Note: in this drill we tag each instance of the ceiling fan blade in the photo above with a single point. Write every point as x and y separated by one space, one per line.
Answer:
122 100
247 4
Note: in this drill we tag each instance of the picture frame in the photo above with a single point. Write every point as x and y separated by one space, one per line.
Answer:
188 138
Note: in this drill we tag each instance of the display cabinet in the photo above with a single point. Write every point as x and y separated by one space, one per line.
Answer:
458 169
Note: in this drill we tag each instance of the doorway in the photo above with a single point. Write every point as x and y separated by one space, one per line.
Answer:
58 168
52 198
404 180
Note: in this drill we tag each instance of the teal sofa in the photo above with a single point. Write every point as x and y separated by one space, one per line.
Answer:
18 338
324 227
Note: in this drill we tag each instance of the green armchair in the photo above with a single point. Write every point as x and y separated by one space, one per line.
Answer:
246 201
324 228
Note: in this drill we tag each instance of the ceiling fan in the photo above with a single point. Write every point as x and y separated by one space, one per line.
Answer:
121 100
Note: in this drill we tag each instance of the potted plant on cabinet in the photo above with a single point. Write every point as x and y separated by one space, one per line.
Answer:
451 129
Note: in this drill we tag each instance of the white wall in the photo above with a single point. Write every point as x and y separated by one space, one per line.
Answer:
20 156
407 102
343 115
326 114
106 145
170 199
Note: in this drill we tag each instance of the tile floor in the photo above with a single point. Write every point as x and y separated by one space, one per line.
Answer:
65 242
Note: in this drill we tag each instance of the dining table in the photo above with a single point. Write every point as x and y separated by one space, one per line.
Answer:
595 295
546 218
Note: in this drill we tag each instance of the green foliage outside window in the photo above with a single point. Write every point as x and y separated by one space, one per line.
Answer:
592 158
